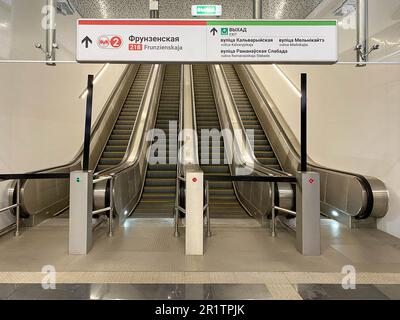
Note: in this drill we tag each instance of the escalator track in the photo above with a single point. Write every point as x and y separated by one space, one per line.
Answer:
262 148
117 143
223 201
158 197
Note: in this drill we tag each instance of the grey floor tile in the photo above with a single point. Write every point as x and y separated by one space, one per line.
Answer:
392 291
336 292
6 290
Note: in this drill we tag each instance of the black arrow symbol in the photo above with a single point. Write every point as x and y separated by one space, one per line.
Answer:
86 41
214 31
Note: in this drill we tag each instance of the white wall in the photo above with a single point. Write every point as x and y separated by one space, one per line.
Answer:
354 113
354 120
41 114
21 28
384 28
42 117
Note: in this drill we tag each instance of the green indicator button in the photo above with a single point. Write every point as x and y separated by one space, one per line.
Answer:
78 180
224 31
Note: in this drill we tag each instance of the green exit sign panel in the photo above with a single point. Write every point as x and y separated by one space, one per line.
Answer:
206 10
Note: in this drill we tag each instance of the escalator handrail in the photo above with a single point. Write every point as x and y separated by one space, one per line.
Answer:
181 107
188 105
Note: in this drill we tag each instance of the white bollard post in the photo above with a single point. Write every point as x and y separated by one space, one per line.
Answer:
194 213
80 213
308 225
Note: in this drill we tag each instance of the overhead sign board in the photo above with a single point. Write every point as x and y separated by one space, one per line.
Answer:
207 10
208 41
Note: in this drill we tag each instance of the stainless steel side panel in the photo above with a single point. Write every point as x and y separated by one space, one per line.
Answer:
7 219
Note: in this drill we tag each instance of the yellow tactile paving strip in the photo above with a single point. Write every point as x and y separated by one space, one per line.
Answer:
270 278
280 284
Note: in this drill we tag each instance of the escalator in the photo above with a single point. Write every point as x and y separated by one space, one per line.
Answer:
118 141
158 198
276 147
262 148
223 201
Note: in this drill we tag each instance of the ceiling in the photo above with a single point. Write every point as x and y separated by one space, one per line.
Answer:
181 9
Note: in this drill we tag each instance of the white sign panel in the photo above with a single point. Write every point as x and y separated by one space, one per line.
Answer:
210 41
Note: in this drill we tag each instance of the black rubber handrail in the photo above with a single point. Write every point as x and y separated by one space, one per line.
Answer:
34 176
251 178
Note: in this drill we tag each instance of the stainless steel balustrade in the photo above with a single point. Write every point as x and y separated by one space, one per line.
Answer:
110 208
42 199
256 197
354 196
129 176
17 207
188 157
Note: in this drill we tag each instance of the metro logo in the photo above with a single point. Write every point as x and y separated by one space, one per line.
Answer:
109 42
135 47
104 42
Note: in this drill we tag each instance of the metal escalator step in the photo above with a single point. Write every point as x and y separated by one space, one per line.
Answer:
122 132
156 202
120 137
112 155
262 148
216 185
158 196
222 192
161 174
160 182
166 167
112 148
264 153
160 189
110 161
216 169
119 143
123 127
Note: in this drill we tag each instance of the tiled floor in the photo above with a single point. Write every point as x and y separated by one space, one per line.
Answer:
237 246
144 252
